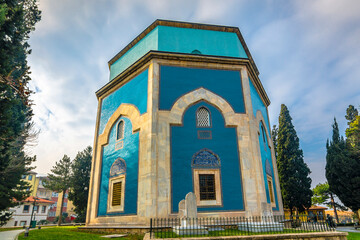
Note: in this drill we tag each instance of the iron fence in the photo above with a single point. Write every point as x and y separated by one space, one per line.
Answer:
232 226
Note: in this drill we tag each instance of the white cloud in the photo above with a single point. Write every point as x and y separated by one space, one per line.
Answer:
306 51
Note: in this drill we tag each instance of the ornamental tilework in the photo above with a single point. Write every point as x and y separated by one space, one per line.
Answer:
118 168
205 158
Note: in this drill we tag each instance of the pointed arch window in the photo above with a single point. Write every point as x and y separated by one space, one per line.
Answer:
116 192
203 117
263 133
120 130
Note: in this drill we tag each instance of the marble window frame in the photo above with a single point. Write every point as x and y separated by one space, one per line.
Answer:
112 181
218 190
271 190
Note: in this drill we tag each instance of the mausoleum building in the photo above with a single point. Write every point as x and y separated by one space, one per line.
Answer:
184 111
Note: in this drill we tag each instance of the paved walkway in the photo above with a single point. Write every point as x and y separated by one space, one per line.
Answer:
10 235
347 229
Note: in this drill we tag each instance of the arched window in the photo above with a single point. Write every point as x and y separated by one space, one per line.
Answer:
120 130
116 194
203 117
263 133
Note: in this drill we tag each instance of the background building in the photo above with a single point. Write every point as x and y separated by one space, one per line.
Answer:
22 213
54 211
47 204
184 111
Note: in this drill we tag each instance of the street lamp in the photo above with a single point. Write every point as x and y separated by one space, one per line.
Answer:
32 212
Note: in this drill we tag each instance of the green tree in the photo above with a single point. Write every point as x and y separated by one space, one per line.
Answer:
351 113
274 135
353 135
342 170
17 20
294 173
79 189
323 195
60 179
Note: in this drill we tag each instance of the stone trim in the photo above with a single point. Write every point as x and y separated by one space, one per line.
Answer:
207 203
182 59
129 111
112 181
202 94
258 119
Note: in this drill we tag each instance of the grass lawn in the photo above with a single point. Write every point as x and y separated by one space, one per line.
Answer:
353 236
58 233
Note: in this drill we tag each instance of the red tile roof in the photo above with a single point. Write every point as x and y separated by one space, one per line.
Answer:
317 208
38 200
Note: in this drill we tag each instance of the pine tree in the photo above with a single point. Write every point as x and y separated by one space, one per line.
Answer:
17 20
60 179
294 173
79 189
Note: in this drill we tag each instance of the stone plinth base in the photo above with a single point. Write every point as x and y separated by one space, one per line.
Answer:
289 236
261 227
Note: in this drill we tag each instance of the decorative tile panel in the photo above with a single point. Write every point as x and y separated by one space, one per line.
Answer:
118 168
205 158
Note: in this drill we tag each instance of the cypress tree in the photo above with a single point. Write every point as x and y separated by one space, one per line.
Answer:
342 168
294 173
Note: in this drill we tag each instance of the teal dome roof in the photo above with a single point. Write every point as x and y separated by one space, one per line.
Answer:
184 38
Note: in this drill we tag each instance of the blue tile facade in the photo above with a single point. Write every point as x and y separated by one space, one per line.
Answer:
130 154
267 165
177 81
185 147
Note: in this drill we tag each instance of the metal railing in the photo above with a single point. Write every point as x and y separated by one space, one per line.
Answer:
233 226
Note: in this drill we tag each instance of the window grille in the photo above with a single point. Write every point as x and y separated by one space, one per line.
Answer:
120 130
207 187
204 134
116 200
203 117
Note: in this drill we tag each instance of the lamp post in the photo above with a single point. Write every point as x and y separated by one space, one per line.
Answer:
32 212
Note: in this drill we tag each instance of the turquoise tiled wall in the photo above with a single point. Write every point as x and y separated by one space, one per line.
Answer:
133 92
266 155
130 153
185 143
177 81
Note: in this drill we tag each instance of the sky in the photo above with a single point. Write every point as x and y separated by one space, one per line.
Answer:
307 52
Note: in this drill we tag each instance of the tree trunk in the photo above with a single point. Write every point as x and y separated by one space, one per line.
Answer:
334 207
61 208
358 215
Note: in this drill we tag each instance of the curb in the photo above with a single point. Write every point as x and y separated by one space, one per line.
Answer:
17 235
